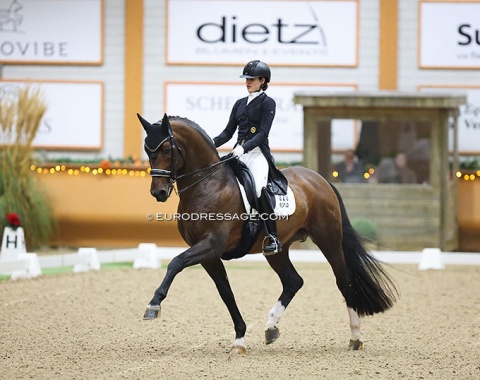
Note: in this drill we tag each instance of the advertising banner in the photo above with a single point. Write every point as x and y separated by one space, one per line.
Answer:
51 31
449 34
209 105
469 119
74 116
291 33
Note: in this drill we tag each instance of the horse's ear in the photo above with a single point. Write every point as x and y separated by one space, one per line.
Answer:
166 125
146 125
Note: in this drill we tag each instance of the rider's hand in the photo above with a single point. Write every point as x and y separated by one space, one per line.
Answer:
238 151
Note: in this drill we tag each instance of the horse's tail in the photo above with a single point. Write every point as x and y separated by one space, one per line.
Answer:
373 290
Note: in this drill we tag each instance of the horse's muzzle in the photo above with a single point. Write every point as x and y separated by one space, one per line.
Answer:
160 195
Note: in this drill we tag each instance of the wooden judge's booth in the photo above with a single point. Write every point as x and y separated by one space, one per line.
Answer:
409 216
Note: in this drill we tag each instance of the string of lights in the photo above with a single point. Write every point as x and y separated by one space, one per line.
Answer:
77 170
143 171
468 176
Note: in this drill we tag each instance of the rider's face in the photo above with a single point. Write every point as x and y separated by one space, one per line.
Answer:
253 84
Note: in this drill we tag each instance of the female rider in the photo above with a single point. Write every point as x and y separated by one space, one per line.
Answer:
253 115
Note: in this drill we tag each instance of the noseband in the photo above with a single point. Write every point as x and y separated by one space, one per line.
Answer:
170 174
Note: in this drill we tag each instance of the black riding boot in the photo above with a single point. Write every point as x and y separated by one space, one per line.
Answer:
266 209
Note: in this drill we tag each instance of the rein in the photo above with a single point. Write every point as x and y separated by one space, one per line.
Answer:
214 166
171 173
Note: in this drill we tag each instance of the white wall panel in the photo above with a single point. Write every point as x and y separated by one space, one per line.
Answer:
156 73
410 76
111 73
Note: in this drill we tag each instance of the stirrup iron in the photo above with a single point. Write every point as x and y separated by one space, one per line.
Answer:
273 247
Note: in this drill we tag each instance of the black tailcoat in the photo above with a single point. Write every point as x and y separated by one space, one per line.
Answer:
254 122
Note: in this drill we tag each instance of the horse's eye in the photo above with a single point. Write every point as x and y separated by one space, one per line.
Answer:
167 151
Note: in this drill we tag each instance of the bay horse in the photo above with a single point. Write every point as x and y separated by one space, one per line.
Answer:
181 152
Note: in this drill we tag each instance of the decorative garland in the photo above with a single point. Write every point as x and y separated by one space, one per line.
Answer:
142 169
134 170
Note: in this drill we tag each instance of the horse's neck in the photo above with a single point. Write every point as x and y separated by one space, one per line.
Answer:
206 190
198 153
210 179
199 157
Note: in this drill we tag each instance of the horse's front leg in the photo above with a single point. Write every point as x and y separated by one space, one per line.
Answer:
291 282
216 270
202 251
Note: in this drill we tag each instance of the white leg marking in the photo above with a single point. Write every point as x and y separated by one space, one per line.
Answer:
274 315
354 324
239 342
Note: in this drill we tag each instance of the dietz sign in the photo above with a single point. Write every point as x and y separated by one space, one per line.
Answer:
232 32
449 34
56 32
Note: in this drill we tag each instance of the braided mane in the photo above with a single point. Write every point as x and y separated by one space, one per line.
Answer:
192 124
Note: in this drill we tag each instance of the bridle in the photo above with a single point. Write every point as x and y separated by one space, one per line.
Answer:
171 174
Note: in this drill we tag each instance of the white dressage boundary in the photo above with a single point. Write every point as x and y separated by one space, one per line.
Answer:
86 259
315 256
299 256
14 258
25 265
147 257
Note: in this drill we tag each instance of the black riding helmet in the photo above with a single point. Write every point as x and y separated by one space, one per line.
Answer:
256 69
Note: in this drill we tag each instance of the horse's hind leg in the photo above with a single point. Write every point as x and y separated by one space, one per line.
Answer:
216 271
291 282
356 342
340 271
331 247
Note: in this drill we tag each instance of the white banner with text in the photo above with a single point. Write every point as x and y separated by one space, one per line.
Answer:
50 31
74 116
210 105
292 33
449 34
468 120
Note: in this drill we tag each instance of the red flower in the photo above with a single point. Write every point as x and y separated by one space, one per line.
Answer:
13 220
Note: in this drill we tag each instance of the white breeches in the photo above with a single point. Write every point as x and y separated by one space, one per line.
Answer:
258 165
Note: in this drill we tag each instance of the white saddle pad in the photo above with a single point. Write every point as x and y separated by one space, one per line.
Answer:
284 204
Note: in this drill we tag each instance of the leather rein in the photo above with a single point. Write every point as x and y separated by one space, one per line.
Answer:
171 174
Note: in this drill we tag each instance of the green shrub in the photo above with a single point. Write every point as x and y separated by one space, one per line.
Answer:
20 116
470 163
366 228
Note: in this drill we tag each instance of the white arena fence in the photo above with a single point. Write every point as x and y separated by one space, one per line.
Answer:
149 256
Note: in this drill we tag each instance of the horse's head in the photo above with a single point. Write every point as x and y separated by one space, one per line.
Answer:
164 156
184 153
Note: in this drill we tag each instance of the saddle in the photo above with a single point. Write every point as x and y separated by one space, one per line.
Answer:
252 226
245 178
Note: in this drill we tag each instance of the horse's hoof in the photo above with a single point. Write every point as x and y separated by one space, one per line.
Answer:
355 345
238 349
152 312
271 335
